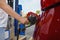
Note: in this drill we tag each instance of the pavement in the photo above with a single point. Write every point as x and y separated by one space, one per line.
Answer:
29 31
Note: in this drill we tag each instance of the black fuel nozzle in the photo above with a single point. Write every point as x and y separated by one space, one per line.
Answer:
32 19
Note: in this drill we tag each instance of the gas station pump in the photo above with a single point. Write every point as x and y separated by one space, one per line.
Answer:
18 9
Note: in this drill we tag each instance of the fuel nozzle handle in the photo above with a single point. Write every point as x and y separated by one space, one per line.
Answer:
32 19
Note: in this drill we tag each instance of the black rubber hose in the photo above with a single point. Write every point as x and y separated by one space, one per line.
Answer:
18 31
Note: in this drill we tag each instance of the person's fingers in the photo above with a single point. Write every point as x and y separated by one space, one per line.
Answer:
27 21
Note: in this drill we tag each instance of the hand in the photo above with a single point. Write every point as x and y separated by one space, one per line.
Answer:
24 21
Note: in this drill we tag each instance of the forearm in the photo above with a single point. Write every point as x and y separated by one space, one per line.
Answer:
10 11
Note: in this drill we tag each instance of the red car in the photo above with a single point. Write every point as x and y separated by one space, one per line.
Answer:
48 25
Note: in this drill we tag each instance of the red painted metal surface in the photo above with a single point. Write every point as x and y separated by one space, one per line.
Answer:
48 25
